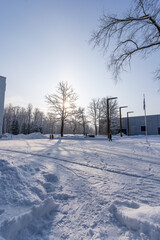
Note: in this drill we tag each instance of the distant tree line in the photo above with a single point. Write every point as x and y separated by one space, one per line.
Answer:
64 116
18 119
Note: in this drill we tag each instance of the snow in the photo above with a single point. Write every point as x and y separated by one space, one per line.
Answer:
141 218
10 228
2 93
36 135
79 188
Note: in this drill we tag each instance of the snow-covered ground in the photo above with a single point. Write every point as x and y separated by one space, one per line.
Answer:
79 188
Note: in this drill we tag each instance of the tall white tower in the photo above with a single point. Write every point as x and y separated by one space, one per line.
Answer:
2 94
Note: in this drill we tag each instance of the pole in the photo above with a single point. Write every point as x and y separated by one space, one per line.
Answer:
108 121
121 118
108 117
128 122
120 122
144 107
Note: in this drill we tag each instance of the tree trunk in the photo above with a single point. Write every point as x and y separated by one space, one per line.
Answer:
84 129
62 127
99 127
95 129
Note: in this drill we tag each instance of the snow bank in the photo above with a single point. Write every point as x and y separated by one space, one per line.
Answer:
36 135
10 228
141 218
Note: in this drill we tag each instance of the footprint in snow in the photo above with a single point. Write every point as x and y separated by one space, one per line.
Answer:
51 178
1 211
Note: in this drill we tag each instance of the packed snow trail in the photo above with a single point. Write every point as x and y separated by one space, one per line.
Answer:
107 168
61 189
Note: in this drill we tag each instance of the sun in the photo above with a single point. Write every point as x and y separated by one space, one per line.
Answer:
66 104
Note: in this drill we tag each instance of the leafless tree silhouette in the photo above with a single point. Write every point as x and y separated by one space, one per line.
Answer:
62 103
137 32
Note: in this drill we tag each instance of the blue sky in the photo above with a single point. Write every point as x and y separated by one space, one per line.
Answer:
44 42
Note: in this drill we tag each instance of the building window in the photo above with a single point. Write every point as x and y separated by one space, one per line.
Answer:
158 130
143 128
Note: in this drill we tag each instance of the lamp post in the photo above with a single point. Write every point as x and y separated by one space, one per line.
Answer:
108 117
128 121
121 119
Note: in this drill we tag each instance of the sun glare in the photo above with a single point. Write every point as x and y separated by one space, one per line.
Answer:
66 104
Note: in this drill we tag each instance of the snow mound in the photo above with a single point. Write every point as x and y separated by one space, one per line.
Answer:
11 228
140 218
11 185
36 135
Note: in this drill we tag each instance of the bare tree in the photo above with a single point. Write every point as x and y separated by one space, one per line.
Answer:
29 115
136 32
62 103
95 113
73 124
38 119
50 125
113 112
82 119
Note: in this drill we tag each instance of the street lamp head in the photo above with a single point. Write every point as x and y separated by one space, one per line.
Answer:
112 98
123 107
131 112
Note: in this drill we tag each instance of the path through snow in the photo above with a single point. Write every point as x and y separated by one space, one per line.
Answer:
80 189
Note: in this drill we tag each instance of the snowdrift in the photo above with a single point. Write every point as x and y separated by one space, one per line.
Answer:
10 228
36 135
141 218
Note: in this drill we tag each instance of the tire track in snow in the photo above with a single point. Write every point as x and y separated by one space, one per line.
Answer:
138 159
85 165
132 156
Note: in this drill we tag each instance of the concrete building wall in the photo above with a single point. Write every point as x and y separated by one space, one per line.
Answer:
136 125
2 94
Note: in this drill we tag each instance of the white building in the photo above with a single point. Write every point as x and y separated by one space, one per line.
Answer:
137 125
2 94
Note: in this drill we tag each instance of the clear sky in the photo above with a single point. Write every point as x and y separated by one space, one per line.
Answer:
43 42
